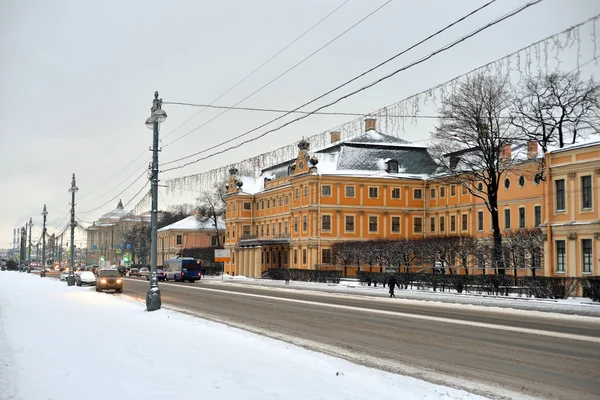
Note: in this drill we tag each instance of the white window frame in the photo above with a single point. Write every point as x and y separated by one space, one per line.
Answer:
369 216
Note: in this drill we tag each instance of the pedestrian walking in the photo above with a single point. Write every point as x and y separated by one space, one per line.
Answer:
392 284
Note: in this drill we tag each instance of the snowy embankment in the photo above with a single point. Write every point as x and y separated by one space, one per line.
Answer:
67 343
572 306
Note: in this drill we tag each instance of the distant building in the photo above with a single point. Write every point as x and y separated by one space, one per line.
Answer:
104 238
188 233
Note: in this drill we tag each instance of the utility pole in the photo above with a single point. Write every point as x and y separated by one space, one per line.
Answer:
73 190
157 116
29 249
43 272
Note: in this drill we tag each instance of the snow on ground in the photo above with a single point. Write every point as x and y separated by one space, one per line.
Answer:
67 343
576 306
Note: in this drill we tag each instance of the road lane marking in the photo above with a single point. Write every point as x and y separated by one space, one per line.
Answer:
559 335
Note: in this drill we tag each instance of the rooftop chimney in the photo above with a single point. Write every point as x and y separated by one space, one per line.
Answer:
532 149
335 136
370 124
505 152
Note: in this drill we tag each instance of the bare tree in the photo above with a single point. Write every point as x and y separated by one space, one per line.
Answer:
406 251
481 252
472 142
532 242
344 253
175 213
211 207
552 109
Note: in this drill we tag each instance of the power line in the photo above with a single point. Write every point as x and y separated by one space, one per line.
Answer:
119 184
276 110
342 85
286 71
229 90
120 193
419 61
114 176
261 66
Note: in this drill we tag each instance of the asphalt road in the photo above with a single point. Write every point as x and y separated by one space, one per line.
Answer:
486 352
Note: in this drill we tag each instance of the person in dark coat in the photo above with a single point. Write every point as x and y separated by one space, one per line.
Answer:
392 284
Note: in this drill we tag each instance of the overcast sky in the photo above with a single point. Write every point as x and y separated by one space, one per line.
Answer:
77 79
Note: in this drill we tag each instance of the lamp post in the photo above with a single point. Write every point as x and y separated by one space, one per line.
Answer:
22 249
157 116
29 248
43 271
73 190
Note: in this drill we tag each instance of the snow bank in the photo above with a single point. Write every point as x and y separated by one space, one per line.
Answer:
68 343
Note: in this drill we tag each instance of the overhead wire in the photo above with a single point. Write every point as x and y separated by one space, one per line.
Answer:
285 72
385 77
440 31
112 199
261 66
229 90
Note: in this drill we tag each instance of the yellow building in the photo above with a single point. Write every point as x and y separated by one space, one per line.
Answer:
572 246
373 187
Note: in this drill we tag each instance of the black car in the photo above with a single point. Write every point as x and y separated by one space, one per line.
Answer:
109 279
134 272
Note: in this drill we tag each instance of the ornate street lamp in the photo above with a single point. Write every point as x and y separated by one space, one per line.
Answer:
74 189
157 116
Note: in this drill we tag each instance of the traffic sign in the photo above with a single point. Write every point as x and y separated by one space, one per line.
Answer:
118 250
128 245
95 247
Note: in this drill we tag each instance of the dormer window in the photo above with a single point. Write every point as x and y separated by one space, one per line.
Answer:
454 162
392 166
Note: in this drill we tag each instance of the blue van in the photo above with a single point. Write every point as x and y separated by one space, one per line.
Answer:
182 269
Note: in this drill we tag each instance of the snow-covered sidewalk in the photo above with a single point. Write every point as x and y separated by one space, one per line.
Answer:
572 306
68 343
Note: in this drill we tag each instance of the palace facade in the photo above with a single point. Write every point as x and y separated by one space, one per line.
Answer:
377 186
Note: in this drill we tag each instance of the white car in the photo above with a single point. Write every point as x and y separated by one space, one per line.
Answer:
85 278
64 275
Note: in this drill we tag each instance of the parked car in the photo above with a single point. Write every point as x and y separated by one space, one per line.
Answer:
64 274
85 278
160 275
134 272
109 279
144 272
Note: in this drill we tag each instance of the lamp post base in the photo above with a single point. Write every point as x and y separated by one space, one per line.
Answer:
43 273
70 281
153 301
28 270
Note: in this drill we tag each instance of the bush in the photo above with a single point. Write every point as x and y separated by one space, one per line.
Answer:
212 271
305 275
591 287
549 287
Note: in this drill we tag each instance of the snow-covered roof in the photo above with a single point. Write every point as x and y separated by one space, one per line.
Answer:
192 223
592 140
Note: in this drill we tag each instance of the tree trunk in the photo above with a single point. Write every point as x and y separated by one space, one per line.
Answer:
497 259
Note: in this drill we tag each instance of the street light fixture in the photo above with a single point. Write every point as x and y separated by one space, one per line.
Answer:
157 116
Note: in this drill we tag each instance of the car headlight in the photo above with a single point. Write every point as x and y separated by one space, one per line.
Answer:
103 281
118 281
